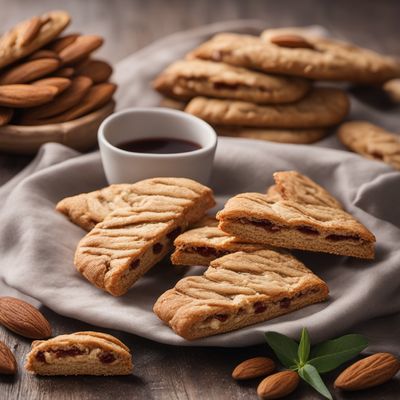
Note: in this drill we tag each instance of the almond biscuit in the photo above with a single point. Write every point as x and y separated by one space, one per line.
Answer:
238 290
80 353
186 79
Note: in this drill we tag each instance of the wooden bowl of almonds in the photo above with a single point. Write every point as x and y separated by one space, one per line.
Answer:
51 89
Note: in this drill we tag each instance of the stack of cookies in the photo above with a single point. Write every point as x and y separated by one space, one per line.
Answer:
46 78
263 87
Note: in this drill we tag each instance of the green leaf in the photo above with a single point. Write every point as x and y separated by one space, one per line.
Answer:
304 347
284 347
329 355
310 374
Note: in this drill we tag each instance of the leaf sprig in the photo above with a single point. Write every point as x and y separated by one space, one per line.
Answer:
311 362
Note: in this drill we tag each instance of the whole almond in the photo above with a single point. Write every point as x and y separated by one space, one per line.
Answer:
5 115
253 368
31 29
292 41
66 72
29 71
368 372
62 42
98 71
43 53
8 364
278 385
22 318
22 96
80 48
98 96
72 96
60 83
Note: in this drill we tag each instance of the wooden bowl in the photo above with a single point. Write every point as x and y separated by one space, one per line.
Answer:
80 134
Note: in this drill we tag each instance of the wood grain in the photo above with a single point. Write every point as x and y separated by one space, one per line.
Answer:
161 371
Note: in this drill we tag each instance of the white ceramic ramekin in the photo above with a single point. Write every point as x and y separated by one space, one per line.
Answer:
121 166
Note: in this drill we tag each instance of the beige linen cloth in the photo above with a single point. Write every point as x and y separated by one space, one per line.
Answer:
37 244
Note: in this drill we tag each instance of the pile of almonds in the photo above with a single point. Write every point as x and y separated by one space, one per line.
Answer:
57 82
363 374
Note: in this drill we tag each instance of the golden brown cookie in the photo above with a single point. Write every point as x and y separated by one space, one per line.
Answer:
310 57
31 35
288 135
322 107
238 290
130 241
80 353
202 245
88 209
186 79
371 141
299 188
255 218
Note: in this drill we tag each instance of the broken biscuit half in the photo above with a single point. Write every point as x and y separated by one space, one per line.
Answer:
80 353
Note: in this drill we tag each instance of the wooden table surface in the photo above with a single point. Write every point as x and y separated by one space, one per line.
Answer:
167 372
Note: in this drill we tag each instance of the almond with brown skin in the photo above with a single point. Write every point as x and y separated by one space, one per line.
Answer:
8 364
31 30
37 55
60 83
98 71
253 368
98 96
292 41
72 96
80 48
278 385
368 372
5 115
22 318
29 71
62 42
66 72
23 96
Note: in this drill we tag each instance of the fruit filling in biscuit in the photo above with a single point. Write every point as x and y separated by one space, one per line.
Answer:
139 225
199 246
304 229
259 307
53 355
81 353
237 290
302 221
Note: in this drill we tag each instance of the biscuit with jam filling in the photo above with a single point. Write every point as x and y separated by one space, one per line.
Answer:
80 353
238 290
